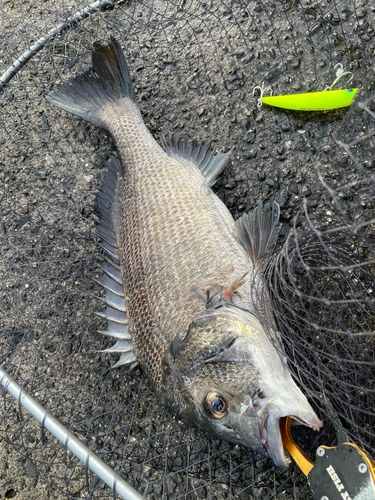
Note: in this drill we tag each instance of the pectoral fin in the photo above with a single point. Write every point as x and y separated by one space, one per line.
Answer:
218 299
257 231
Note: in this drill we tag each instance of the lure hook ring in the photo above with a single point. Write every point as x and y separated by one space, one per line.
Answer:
262 90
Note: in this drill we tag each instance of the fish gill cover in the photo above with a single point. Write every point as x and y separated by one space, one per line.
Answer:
194 65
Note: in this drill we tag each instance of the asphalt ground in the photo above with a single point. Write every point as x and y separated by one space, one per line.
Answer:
195 65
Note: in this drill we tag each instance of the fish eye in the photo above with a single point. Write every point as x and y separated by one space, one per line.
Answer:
215 405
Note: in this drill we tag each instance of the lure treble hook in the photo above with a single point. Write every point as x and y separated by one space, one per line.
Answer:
262 90
339 74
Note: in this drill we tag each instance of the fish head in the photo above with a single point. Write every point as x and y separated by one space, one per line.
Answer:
237 382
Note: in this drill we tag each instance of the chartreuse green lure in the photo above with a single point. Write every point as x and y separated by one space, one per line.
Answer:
312 101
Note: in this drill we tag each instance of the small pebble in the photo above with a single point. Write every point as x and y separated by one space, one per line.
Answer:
48 217
201 492
158 489
31 469
24 207
306 190
170 484
160 65
261 175
43 173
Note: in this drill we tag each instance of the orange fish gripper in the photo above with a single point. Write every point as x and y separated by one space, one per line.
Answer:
343 472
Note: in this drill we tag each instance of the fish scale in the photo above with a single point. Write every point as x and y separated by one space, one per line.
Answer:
166 206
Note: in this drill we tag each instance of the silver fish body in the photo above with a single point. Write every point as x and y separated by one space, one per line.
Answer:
177 244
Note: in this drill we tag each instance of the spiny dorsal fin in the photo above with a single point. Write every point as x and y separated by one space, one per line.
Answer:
107 210
202 156
258 230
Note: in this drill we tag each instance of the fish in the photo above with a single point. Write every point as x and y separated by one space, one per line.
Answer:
185 297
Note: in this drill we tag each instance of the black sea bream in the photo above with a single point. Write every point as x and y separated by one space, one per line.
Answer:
187 272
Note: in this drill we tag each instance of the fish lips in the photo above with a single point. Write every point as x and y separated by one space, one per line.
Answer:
270 433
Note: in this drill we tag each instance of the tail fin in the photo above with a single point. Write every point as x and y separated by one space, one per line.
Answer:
107 81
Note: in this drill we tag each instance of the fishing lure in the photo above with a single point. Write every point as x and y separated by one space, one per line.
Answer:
312 101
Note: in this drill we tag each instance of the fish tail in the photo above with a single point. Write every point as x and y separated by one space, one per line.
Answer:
107 82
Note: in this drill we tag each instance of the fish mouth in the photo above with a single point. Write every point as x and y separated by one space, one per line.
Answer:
270 434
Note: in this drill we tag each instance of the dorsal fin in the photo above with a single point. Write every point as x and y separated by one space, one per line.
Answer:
258 231
107 210
202 156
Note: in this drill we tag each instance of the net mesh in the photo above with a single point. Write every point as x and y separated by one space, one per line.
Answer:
195 65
